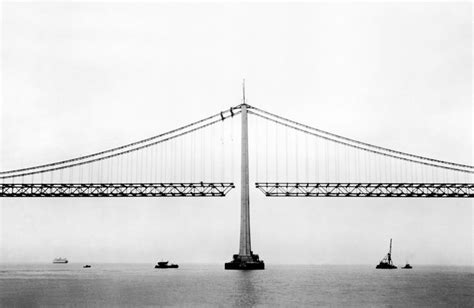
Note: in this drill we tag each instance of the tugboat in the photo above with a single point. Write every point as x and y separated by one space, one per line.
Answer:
60 261
164 264
87 266
386 262
407 266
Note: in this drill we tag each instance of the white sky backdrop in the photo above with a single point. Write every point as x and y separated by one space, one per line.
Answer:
82 77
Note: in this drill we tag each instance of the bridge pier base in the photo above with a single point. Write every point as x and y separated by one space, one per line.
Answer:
251 262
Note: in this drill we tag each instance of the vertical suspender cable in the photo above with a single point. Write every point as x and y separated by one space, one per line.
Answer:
266 152
149 164
336 162
232 148
326 156
171 155
174 159
348 164
433 174
316 160
212 153
296 158
156 163
165 162
306 152
402 179
182 161
379 168
140 175
255 138
223 145
193 158
276 152
286 152
170 163
161 145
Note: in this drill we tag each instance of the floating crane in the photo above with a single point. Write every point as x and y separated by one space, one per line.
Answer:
386 262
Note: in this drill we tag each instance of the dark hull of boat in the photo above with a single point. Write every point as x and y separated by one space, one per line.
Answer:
385 266
167 266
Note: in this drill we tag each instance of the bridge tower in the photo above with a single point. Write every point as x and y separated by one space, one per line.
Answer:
245 259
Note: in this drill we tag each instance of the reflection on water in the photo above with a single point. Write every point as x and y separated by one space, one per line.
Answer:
246 294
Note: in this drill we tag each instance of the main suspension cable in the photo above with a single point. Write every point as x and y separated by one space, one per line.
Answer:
123 152
362 143
357 146
220 115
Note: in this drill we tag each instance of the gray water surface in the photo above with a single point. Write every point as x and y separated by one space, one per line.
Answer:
211 285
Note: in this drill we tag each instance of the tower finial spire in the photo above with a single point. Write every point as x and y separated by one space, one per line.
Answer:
243 90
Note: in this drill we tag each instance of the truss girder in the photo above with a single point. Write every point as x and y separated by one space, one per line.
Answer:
404 190
117 190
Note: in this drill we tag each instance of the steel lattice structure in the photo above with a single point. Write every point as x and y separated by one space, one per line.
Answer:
117 190
404 190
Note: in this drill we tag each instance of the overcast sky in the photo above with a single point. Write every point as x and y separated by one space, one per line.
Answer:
83 77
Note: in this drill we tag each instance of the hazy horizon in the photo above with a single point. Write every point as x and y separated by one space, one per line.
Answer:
83 262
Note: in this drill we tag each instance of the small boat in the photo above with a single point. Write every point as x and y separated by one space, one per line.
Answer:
60 261
407 266
386 262
164 264
87 266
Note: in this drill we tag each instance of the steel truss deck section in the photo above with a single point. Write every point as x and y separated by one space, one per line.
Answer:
404 190
117 190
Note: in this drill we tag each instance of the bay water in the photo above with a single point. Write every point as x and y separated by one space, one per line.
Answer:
30 285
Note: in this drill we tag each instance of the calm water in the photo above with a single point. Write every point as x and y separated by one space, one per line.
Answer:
210 285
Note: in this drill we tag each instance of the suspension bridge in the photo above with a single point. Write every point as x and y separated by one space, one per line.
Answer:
287 158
